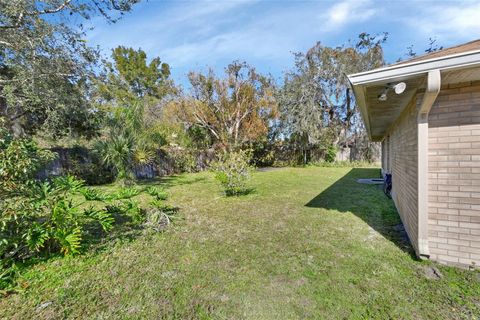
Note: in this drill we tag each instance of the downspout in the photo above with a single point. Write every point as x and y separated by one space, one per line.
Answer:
431 93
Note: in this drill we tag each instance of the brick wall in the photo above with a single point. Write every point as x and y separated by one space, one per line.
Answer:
454 176
402 158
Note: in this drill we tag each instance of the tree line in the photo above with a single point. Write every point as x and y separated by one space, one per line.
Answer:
53 86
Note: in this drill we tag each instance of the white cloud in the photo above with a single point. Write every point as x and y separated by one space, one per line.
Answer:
449 21
349 11
208 32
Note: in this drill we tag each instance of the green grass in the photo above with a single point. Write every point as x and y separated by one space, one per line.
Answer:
307 243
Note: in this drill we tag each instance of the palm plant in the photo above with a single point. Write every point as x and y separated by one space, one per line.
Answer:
117 152
129 142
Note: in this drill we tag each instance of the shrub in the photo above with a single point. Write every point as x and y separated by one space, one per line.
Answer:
19 161
37 218
117 152
131 208
331 153
183 160
233 172
169 209
47 218
263 154
342 164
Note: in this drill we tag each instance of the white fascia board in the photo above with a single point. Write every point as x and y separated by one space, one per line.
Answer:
408 70
360 99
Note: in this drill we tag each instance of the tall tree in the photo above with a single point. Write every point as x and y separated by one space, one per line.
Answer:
132 78
45 63
235 110
316 103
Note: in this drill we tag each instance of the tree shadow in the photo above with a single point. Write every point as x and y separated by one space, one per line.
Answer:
367 202
97 240
170 181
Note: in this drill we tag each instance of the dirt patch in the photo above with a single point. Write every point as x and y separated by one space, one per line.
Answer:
431 273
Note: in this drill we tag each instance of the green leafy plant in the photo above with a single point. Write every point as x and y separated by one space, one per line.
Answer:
94 195
331 153
8 273
157 193
57 221
105 219
164 207
126 193
233 172
45 218
185 160
130 142
19 161
129 208
132 209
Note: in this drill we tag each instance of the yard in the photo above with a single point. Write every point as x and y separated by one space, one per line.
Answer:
307 243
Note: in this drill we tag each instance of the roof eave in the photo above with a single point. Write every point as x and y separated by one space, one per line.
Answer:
401 72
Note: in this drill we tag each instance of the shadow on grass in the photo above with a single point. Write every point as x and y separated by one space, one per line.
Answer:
171 181
239 193
124 230
367 202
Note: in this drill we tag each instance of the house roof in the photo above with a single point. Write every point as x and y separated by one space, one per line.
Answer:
469 46
456 64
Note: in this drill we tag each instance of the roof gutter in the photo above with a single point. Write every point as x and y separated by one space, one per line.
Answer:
432 89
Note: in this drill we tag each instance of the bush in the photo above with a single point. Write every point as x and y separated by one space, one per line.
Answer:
41 218
263 154
233 172
184 160
38 218
45 219
331 153
19 161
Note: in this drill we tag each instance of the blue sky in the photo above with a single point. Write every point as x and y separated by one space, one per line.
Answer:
196 35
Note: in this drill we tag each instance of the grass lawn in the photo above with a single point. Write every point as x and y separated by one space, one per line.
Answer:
308 243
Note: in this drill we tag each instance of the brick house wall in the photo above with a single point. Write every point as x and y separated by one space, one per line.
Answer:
401 161
454 175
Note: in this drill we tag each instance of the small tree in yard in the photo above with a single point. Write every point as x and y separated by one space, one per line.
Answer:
233 110
233 172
